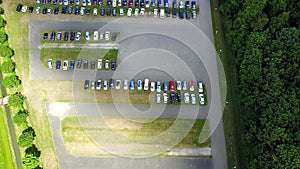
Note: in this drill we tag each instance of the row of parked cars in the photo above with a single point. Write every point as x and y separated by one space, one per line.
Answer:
153 86
124 3
85 64
78 35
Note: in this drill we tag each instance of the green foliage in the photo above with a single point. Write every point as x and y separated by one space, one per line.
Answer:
1 10
3 36
7 66
266 45
20 118
33 150
5 51
11 81
26 139
30 161
2 22
16 100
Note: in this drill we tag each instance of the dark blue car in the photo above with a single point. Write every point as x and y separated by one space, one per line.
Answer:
46 36
188 15
113 65
72 36
108 11
174 13
172 97
124 3
72 63
102 11
76 12
174 5
179 98
52 37
100 2
70 9
58 63
66 36
64 10
181 14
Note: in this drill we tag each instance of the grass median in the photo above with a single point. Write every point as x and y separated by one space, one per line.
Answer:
136 128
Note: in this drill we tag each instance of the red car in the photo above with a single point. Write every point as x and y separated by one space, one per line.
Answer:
172 86
192 86
94 2
130 4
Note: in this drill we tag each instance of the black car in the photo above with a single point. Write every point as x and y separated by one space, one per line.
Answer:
136 3
79 61
19 7
188 15
179 97
66 36
43 1
124 3
72 36
142 4
114 12
108 11
86 84
70 10
85 64
174 13
45 36
92 64
168 13
108 2
159 4
172 97
187 4
30 9
56 9
58 63
76 12
44 10
64 10
71 2
113 65
54 2
52 37
102 11
114 36
49 1
88 11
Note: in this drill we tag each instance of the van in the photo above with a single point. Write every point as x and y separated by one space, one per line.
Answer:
162 13
146 84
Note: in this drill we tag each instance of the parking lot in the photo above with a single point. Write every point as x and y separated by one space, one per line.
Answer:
156 46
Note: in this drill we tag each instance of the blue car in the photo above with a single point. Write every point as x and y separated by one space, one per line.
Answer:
64 10
153 3
45 36
181 14
58 63
174 4
111 83
193 5
179 98
188 15
124 3
131 86
113 65
102 11
159 5
100 2
174 13
166 3
172 97
165 87
72 63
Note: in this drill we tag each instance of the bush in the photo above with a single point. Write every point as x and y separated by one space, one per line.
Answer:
5 51
20 118
16 100
7 66
3 36
11 81
25 139
30 161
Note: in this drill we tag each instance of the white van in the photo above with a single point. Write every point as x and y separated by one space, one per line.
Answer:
162 13
146 84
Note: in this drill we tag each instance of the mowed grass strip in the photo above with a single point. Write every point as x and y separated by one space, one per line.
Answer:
6 160
74 133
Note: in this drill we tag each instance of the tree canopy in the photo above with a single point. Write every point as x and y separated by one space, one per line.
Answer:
16 100
11 81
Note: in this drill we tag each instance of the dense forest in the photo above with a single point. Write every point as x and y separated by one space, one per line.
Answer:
264 36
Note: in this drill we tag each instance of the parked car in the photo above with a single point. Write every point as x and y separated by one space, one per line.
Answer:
180 4
85 64
118 84
111 83
124 3
92 64
52 36
114 37
87 36
179 97
165 87
44 11
24 8
65 65
59 34
172 86
155 12
19 7
105 85
50 63
165 95
108 11
37 10
181 14
192 86
102 11
188 15
78 35
30 9
96 35
200 87
121 12
146 84
99 65
139 85
178 85
82 9
142 3
107 35
193 5
187 4
131 86
88 11
106 65
186 98
136 4
172 97
79 61
72 63
98 85
86 84
201 99
174 13
64 10
70 10
158 98
184 85
125 85
174 4
158 86
58 63
76 11
142 11
45 36
66 36
162 13
194 14
152 86
129 11
193 98
92 85
113 65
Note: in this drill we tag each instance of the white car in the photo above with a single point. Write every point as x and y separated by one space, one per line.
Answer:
200 87
186 98
66 2
152 86
114 3
77 2
178 85
129 12
101 36
106 64
180 4
194 14
107 35
37 11
83 2
119 2
136 12
87 36
78 34
82 9
125 85
155 12
193 97
139 85
142 11
162 13
99 66
96 35
89 3
158 98
95 11
50 63
105 85
98 85
121 12
65 65
165 98
24 8
184 85
201 99
118 84
92 85
158 86
147 4
146 84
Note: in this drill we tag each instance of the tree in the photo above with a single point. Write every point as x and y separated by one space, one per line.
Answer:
16 100
7 66
26 139
30 161
5 51
3 35
20 118
11 81
33 150
1 11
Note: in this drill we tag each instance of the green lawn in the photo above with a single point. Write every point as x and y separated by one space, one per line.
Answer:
6 160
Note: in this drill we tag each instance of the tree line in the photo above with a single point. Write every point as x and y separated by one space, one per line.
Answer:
31 155
264 36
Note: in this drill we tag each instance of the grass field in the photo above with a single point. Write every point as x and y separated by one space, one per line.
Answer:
75 135
6 158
